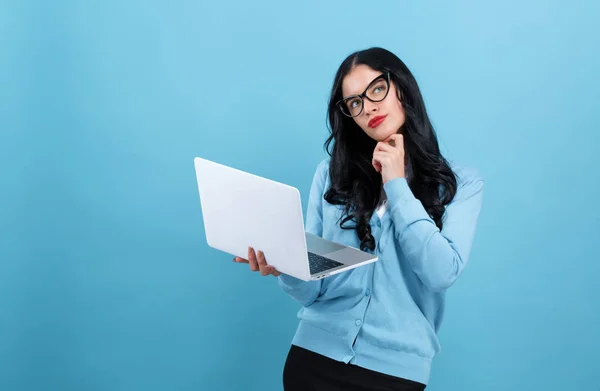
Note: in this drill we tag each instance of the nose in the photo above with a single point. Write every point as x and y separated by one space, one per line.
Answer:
369 107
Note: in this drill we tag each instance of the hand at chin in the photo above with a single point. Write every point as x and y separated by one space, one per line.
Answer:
389 140
377 166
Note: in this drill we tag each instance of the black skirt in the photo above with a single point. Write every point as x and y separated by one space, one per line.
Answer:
305 370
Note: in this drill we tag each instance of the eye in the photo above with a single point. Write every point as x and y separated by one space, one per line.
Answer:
379 88
352 104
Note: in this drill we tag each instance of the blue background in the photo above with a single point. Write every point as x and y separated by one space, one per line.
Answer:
106 281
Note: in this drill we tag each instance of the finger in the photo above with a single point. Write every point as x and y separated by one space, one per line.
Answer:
240 260
252 259
376 160
379 155
383 158
262 263
390 140
398 141
376 165
385 147
273 271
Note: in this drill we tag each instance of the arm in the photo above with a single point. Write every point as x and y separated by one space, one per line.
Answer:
306 292
438 258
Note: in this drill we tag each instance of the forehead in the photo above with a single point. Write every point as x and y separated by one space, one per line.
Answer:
358 79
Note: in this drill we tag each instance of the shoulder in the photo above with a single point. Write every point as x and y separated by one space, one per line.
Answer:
324 164
320 180
322 171
465 174
469 180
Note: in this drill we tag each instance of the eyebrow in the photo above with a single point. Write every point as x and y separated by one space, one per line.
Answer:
371 82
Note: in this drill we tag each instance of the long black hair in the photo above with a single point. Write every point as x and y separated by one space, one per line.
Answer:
355 184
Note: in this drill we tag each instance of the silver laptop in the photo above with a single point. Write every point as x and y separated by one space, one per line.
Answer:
240 209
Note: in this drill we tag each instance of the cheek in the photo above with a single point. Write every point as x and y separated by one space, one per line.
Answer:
400 113
362 122
398 109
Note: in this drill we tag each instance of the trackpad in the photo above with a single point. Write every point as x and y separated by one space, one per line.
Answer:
321 246
346 256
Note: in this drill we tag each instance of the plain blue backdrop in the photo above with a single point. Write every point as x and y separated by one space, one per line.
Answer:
106 281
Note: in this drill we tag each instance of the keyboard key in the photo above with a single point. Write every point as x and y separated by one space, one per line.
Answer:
320 264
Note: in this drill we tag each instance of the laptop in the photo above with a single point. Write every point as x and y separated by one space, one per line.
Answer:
241 209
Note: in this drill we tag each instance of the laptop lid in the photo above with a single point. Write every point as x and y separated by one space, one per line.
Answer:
241 209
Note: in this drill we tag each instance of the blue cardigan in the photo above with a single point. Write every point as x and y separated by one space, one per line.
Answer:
385 316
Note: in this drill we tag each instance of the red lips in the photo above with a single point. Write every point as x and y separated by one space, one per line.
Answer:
376 121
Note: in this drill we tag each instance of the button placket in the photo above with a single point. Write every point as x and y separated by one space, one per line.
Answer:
367 296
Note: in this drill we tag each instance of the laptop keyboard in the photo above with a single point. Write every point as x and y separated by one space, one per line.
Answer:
319 264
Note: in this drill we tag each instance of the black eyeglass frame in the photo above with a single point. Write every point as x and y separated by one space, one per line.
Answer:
340 103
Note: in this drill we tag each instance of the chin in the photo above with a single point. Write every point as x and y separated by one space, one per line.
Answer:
382 134
387 132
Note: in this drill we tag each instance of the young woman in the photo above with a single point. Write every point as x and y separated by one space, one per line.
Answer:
386 189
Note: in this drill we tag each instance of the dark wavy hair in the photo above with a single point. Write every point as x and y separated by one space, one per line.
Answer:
355 183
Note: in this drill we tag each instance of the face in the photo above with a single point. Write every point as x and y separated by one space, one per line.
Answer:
378 120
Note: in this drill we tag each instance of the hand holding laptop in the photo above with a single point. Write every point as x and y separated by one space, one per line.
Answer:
258 263
233 200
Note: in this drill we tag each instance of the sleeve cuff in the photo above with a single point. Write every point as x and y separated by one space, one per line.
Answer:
290 281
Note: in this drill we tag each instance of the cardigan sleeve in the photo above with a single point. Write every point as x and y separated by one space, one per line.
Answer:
437 257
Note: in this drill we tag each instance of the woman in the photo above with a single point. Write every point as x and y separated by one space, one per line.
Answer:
386 189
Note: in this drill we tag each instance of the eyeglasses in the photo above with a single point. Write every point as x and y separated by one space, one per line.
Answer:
376 91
